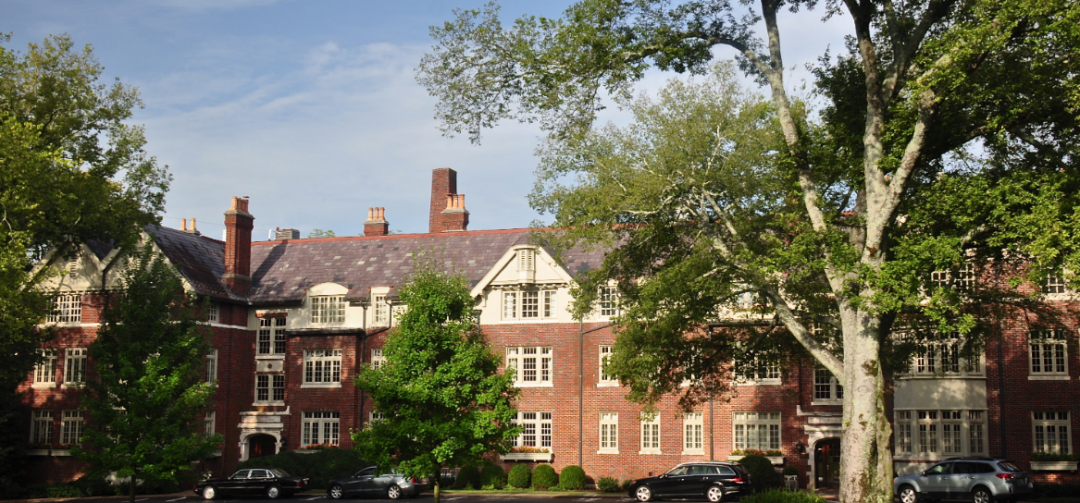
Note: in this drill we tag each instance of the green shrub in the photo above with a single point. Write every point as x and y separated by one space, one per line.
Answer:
761 472
519 476
494 476
791 470
468 478
608 484
320 466
626 485
544 477
778 496
571 478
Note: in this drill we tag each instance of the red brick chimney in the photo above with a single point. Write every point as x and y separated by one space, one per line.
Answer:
238 224
376 224
447 206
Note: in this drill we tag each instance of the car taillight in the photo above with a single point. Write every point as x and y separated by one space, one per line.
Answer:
1004 476
738 480
413 480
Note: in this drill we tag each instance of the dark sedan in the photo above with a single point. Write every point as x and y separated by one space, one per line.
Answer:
272 482
373 483
712 480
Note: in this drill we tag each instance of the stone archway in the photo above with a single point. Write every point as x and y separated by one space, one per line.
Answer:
260 445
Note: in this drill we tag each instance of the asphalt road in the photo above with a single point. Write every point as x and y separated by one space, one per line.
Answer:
426 498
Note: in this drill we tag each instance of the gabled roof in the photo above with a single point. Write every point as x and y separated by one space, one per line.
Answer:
201 260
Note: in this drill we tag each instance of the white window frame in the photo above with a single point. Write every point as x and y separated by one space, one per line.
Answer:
375 416
608 301
757 430
609 433
67 309
1054 283
942 359
45 369
755 374
209 421
212 366
650 434
271 385
528 304
75 363
964 280
41 427
536 430
1050 432
380 310
693 433
327 309
533 366
377 358
1041 342
71 427
835 391
603 379
321 428
550 304
939 434
270 339
322 368
526 260
213 312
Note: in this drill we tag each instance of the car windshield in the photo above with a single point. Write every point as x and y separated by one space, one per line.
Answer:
678 470
279 472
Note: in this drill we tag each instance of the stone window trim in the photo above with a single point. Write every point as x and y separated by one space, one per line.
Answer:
693 433
1048 354
939 434
1050 432
270 338
650 434
322 368
532 366
609 433
269 389
756 430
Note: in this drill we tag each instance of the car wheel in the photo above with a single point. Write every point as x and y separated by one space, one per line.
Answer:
643 494
715 494
336 492
982 495
908 495
273 492
209 493
393 492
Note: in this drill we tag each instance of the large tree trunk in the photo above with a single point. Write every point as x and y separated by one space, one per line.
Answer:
866 464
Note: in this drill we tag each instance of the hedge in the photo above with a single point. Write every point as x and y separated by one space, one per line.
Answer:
572 477
761 471
492 477
519 476
544 477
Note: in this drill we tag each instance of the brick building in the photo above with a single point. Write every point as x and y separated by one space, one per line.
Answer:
294 319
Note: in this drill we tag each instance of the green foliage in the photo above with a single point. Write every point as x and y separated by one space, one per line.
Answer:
791 470
146 398
493 475
519 476
761 471
544 477
625 486
608 485
320 466
446 403
572 478
319 233
779 496
468 478
1053 456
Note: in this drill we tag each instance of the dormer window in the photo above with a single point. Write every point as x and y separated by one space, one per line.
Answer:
328 309
609 301
380 309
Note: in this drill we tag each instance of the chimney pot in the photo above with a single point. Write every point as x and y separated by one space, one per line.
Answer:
183 224
376 224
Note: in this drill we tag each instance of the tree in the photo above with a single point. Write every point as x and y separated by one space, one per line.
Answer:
444 401
71 169
319 233
948 129
145 396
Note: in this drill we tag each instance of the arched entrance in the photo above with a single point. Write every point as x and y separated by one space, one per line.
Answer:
261 445
827 463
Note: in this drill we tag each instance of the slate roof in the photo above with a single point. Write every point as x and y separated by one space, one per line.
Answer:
283 271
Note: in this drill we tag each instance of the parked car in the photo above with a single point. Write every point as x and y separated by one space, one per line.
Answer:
272 482
980 479
372 482
713 480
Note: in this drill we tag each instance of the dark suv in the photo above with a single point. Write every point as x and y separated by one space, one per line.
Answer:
981 479
713 480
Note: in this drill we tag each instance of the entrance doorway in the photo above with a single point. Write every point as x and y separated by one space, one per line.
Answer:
261 445
827 463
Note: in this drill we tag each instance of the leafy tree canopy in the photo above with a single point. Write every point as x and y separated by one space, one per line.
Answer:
146 396
444 400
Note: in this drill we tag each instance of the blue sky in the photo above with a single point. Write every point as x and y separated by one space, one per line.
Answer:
311 107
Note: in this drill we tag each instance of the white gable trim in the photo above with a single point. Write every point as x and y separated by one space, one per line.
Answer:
542 257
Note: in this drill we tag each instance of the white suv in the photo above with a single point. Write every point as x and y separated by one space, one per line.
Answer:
981 479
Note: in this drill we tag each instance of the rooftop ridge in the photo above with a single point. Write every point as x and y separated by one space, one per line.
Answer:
401 236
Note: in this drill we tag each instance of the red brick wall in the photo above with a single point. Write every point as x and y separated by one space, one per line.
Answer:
443 182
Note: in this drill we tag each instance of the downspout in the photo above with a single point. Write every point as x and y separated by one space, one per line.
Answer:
581 392
1001 372
712 430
